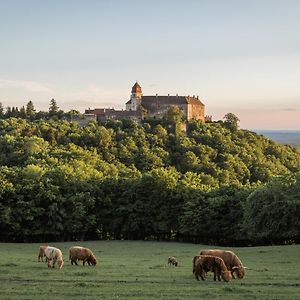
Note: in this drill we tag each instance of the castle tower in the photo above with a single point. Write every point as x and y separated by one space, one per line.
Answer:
136 96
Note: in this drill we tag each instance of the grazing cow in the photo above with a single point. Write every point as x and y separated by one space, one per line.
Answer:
54 255
84 254
231 260
195 258
172 261
205 263
42 253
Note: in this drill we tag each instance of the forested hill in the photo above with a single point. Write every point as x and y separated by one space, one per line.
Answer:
125 180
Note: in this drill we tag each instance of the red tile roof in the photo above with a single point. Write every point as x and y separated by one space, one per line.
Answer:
136 88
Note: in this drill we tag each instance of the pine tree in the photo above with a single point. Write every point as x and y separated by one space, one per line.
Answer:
22 112
53 108
15 112
30 110
8 112
1 110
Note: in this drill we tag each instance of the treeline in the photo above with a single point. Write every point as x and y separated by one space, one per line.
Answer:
122 180
29 112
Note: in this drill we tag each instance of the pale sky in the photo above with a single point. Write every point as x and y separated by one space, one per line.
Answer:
238 56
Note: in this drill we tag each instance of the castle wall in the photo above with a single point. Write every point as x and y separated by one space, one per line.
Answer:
155 110
195 112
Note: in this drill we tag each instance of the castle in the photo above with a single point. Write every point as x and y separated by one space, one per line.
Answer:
141 107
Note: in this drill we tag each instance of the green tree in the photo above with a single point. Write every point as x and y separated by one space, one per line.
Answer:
1 110
272 211
30 110
231 121
8 112
173 119
53 108
22 113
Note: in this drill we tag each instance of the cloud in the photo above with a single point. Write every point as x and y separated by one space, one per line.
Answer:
290 109
30 86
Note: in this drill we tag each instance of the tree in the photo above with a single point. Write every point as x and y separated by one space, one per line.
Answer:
53 108
73 114
272 211
173 119
8 113
1 110
22 112
30 110
231 121
15 112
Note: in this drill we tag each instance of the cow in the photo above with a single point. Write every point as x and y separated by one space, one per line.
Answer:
54 256
205 263
231 260
84 254
172 261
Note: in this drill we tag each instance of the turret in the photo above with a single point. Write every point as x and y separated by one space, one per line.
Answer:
136 96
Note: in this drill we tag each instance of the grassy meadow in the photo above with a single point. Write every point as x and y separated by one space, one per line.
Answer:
138 270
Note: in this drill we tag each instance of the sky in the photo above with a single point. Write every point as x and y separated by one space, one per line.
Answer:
240 56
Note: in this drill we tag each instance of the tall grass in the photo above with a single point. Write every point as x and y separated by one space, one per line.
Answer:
138 270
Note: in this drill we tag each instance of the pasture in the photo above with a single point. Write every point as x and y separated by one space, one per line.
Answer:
138 270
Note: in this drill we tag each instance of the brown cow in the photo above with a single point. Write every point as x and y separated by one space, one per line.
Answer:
231 260
205 263
172 260
84 254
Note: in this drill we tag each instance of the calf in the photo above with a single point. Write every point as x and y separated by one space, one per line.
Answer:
172 261
205 263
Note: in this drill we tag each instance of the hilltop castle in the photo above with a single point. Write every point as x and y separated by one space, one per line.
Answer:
141 107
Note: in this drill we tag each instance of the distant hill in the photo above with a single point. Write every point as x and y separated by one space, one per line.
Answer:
290 137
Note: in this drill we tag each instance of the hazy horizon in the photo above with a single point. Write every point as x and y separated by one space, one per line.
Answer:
240 57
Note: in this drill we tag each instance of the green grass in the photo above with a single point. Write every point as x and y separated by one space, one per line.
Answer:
138 270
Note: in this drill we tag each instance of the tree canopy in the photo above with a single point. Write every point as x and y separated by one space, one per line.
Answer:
121 179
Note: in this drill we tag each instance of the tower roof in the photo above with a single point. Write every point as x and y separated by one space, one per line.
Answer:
136 88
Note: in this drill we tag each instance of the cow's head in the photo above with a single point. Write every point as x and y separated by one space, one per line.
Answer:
194 260
93 260
226 275
49 263
240 271
60 263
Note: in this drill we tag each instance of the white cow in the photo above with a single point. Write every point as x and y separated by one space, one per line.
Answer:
54 255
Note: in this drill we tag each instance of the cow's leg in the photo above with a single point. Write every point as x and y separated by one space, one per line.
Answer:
49 263
215 276
219 275
201 274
